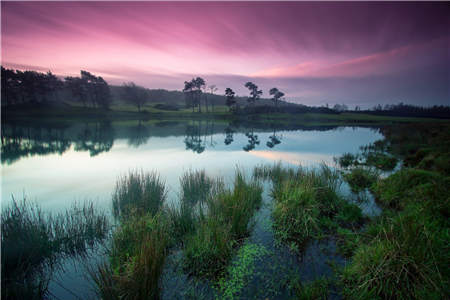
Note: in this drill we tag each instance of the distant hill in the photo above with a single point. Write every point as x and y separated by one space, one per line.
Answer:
177 98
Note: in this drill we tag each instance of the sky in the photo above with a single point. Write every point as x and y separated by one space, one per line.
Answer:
363 53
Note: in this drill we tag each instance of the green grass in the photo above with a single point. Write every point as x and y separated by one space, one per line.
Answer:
33 241
137 260
224 225
406 259
314 290
360 178
307 205
404 253
396 190
381 161
138 193
196 187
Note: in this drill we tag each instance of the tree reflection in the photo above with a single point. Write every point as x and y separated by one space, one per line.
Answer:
193 140
138 135
96 140
252 141
229 135
274 140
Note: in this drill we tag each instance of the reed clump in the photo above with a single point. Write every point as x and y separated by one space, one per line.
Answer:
33 241
307 204
222 227
138 192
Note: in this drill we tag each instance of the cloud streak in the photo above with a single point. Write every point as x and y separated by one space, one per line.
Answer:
315 52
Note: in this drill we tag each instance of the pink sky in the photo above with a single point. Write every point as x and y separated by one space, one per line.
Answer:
356 53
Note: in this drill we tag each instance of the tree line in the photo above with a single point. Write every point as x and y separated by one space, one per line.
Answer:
37 88
31 87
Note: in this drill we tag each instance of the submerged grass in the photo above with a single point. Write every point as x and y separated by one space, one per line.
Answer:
223 226
137 259
139 245
33 241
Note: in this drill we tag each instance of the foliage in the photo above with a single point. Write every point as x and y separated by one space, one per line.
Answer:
134 94
397 189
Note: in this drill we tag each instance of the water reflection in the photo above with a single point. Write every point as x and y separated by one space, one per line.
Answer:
19 140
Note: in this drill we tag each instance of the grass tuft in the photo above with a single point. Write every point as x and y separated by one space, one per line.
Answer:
138 193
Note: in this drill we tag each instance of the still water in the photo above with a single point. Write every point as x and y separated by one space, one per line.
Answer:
60 163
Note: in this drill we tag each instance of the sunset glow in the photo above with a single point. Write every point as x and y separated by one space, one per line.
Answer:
357 53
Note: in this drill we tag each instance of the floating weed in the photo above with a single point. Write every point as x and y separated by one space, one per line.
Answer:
239 273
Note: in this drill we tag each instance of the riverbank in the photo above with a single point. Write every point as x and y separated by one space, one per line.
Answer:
121 113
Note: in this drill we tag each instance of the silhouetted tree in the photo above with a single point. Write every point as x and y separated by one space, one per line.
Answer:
230 102
134 94
189 94
255 94
198 84
28 86
193 92
277 95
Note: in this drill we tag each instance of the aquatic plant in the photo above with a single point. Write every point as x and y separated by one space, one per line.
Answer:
138 192
225 223
307 204
195 186
139 250
405 259
360 178
313 290
33 241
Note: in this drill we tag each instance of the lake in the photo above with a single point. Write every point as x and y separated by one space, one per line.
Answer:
58 163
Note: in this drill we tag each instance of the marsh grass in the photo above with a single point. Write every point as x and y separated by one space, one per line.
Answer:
405 259
196 187
139 245
196 190
361 178
314 290
137 259
307 204
138 192
401 188
223 227
33 242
